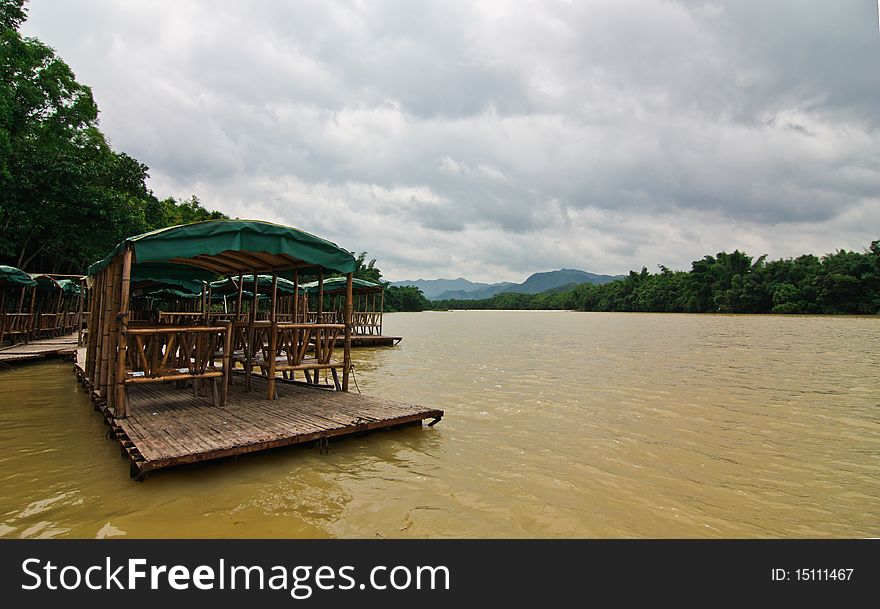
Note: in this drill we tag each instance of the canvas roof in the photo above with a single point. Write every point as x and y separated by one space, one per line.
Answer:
213 248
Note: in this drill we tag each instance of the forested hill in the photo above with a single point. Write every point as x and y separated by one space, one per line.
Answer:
842 282
66 197
462 289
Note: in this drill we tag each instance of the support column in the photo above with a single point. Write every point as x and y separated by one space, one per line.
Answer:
346 361
122 341
273 335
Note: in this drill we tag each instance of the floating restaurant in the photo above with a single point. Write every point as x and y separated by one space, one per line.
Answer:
367 308
191 385
38 314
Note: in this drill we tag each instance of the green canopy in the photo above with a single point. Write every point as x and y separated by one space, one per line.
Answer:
264 285
46 284
336 285
70 287
162 293
166 274
230 247
11 276
246 296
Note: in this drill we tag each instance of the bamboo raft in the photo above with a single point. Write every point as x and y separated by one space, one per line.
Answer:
61 346
371 340
167 426
170 388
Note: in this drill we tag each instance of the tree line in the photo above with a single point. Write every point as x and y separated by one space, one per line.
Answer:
842 282
66 197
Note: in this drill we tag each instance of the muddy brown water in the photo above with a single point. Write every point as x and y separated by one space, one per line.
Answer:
557 424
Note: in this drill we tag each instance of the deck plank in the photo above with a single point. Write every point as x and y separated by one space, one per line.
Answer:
169 426
61 346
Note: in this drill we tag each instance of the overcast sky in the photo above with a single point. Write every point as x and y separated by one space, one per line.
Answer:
491 140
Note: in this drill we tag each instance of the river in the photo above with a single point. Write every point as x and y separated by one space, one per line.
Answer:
558 424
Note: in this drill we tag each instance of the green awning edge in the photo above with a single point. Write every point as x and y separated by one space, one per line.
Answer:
337 284
264 283
213 237
12 276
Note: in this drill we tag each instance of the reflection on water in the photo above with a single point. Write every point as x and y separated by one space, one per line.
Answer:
557 425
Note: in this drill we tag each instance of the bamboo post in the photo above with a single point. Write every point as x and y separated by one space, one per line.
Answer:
273 336
320 315
381 311
238 300
256 300
21 300
274 297
204 307
2 314
227 361
296 297
105 329
113 323
80 305
346 361
122 344
250 348
32 313
95 303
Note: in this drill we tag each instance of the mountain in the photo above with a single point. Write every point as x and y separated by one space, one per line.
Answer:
433 288
541 282
536 283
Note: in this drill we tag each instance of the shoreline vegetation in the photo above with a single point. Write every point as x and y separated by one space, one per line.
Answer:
845 282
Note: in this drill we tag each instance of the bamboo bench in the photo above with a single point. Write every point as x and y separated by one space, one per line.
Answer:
17 327
166 354
289 345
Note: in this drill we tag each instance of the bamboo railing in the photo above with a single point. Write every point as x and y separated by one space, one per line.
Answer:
288 347
164 354
17 327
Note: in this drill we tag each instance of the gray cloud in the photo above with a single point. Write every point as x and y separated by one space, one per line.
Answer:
491 140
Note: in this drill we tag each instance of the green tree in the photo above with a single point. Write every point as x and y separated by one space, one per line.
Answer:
405 298
367 270
65 195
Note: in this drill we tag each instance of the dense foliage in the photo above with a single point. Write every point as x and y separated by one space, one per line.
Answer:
405 298
397 299
66 197
843 282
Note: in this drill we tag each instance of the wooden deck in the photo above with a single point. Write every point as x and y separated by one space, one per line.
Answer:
168 426
62 346
371 340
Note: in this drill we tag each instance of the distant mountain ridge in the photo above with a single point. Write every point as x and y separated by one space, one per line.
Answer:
462 289
432 288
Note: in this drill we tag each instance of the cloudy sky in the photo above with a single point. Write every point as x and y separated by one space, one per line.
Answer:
494 139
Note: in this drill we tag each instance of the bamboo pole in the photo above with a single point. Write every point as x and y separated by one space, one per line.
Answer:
105 329
346 361
250 348
238 299
256 298
113 322
274 296
2 314
32 314
273 336
92 350
320 317
80 305
381 311
296 296
122 345
227 361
